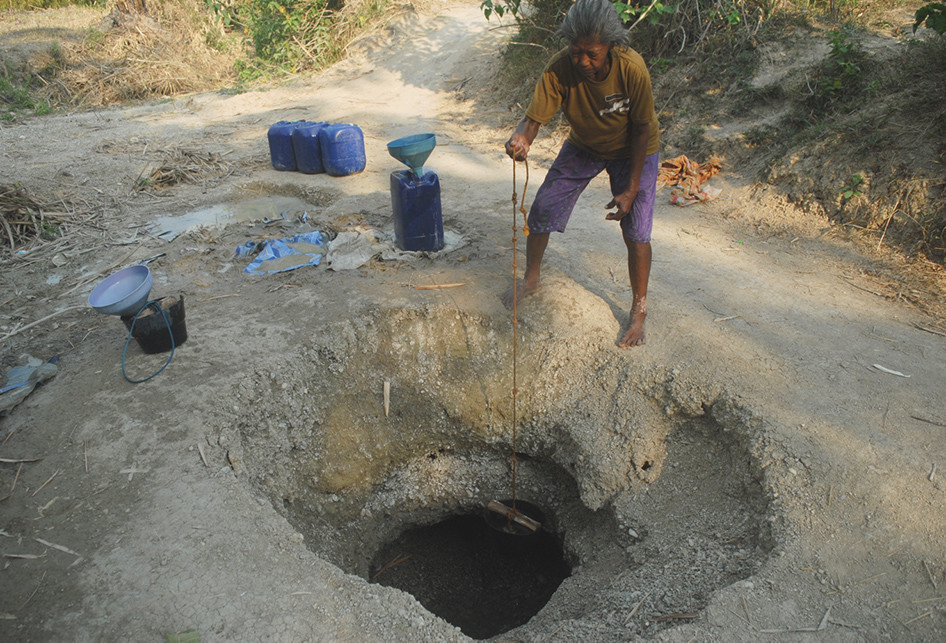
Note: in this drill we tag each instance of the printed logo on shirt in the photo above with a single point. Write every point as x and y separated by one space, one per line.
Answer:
616 103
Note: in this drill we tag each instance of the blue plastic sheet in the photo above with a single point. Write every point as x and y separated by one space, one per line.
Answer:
246 249
281 255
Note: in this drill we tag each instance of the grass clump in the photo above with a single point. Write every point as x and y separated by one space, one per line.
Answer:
293 36
840 80
16 99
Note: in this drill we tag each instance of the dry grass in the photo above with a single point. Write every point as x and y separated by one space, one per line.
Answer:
22 218
138 57
184 166
178 47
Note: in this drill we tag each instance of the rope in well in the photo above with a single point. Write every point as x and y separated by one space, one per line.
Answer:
515 317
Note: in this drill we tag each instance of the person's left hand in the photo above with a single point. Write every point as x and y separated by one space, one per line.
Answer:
623 203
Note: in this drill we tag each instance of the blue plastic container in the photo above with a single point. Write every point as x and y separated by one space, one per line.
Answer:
307 148
343 149
280 145
418 221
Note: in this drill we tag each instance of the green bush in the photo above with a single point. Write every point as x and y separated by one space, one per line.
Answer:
16 99
934 15
843 67
500 8
633 13
838 82
292 35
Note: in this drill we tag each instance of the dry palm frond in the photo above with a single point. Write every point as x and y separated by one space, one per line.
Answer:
21 216
184 166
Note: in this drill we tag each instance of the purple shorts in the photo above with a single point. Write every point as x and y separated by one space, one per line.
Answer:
570 174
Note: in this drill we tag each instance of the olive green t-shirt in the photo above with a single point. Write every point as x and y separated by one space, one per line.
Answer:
598 111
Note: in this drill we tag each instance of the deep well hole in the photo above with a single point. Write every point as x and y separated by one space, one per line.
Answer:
483 580
680 505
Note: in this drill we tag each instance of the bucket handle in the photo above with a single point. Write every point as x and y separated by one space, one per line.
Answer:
154 303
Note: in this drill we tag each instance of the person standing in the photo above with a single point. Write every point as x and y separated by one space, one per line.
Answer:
603 89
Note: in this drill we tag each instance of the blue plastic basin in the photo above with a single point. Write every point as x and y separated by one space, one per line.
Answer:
122 293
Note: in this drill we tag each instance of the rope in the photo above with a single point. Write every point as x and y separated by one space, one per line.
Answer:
522 204
157 306
515 316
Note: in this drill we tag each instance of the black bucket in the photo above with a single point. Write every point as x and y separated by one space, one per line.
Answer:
151 331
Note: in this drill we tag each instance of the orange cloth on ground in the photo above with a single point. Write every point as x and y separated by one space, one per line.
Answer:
688 178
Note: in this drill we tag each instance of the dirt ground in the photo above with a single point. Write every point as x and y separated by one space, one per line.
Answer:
765 468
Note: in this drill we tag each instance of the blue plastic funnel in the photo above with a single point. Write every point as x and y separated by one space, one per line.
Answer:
413 151
122 293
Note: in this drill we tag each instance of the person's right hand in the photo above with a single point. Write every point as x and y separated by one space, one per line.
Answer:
517 147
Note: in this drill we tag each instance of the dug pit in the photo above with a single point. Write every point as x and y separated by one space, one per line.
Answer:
484 580
649 496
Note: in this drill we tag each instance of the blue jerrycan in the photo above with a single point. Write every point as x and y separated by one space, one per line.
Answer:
307 148
280 145
418 221
343 149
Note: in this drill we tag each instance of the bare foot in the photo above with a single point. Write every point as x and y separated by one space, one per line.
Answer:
523 289
635 333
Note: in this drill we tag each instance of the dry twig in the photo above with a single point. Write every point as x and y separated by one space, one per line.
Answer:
46 483
917 618
61 548
929 573
397 560
929 330
16 477
36 589
25 556
438 287
637 607
38 321
922 419
745 607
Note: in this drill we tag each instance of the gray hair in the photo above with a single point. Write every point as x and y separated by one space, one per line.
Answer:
593 20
